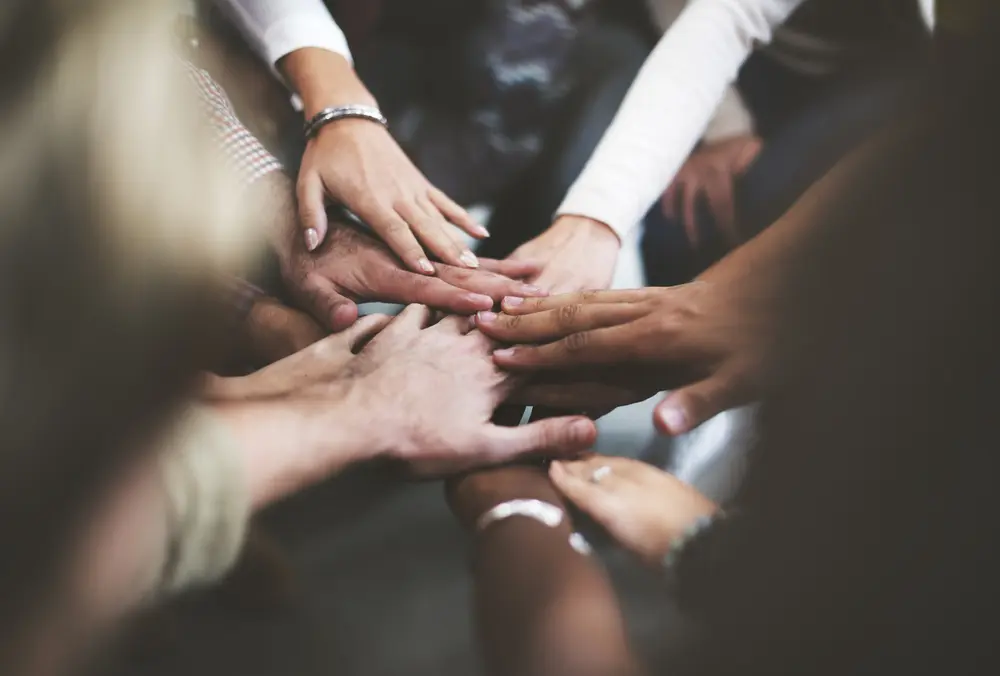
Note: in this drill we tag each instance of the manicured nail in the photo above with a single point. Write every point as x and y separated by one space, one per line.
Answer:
426 266
312 239
674 419
469 259
480 300
486 317
506 353
512 301
481 231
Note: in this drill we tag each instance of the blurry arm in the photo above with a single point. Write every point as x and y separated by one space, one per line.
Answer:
541 607
668 108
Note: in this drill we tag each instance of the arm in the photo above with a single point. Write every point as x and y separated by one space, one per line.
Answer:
276 29
351 162
541 607
668 108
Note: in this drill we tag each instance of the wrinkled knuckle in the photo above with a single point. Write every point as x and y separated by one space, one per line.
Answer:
576 342
567 314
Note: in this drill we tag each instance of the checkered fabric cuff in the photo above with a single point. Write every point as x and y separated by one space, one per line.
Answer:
240 149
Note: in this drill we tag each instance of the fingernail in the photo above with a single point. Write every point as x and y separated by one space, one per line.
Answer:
312 239
581 429
674 419
482 232
426 266
506 353
485 302
532 291
512 301
469 259
486 317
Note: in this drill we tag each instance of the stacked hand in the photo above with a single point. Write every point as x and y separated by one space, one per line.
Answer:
642 507
597 350
417 392
576 254
352 266
358 164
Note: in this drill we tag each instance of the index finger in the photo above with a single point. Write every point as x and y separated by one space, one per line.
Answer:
600 346
402 286
524 306
543 327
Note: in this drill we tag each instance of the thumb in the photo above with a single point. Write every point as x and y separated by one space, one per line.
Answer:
363 330
553 436
329 306
684 409
312 210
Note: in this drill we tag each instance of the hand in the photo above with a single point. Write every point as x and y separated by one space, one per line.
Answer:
449 430
353 266
704 338
315 366
711 172
577 254
641 507
358 164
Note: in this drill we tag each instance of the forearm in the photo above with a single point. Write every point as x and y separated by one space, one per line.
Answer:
542 607
276 28
323 79
668 108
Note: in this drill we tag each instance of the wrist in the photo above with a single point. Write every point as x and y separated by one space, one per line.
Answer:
324 79
293 443
589 227
472 495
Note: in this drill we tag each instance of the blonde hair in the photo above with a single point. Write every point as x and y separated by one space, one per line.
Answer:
115 217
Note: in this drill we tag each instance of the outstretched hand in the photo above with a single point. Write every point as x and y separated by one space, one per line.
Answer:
594 348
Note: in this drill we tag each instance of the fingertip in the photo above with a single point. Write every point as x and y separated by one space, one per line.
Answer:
671 419
423 266
344 316
479 302
512 303
312 239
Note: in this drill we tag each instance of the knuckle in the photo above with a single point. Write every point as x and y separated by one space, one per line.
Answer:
566 315
576 342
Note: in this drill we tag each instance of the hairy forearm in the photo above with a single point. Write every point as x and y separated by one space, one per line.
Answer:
542 608
323 79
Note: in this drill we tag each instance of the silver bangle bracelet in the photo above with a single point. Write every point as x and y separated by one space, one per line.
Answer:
328 115
544 513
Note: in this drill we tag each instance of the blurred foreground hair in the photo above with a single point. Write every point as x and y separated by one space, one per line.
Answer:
113 222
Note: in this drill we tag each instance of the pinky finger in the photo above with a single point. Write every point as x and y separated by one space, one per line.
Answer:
456 214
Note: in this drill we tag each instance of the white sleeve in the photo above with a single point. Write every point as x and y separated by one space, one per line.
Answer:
732 118
276 28
669 107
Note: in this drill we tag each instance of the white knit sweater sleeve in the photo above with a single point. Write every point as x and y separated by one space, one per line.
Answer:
669 107
276 28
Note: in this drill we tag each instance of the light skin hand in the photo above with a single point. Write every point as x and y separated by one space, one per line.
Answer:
353 266
711 173
642 507
696 338
357 163
577 254
451 431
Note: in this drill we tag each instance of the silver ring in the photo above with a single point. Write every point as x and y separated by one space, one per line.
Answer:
600 474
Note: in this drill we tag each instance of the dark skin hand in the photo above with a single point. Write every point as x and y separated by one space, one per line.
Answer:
706 340
631 344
